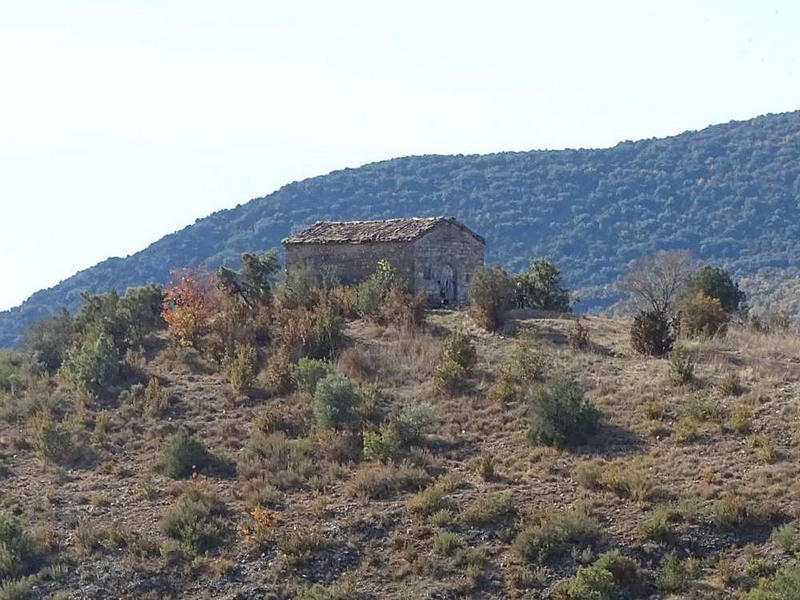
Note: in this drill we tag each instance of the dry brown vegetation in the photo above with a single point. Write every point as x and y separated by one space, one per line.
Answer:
284 508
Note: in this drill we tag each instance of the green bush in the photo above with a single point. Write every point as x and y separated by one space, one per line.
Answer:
559 415
681 366
184 454
327 334
672 575
369 296
154 399
407 428
611 576
541 287
590 583
193 521
307 372
241 366
783 585
18 551
449 377
140 312
652 333
715 282
92 365
335 402
455 363
49 339
491 292
12 367
383 445
51 439
458 347
413 421
553 536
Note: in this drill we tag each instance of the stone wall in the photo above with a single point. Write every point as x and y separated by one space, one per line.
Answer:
354 262
446 250
442 258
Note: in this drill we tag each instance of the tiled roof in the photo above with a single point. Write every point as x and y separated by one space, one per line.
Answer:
363 232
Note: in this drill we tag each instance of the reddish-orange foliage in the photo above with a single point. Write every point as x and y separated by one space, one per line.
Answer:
189 304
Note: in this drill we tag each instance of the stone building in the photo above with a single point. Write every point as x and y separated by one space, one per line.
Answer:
434 255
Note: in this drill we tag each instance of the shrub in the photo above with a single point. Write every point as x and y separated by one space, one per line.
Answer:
369 296
716 283
686 430
552 535
18 551
590 583
53 440
730 385
93 364
49 339
446 543
524 366
403 308
590 473
785 536
413 421
139 310
485 468
559 415
783 585
383 445
541 287
307 372
384 481
730 511
193 521
277 378
335 402
449 377
652 333
578 337
672 575
488 509
740 420
660 525
241 366
189 304
184 454
491 292
702 316
459 348
327 334
681 366
155 400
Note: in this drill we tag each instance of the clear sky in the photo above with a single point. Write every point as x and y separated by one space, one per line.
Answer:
124 121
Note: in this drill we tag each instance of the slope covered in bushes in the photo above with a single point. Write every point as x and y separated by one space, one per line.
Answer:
728 193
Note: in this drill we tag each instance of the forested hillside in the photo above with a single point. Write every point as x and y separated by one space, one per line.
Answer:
730 193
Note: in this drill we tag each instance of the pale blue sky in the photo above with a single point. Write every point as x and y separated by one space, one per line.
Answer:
123 121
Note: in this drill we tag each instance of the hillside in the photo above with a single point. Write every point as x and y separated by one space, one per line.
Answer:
730 193
707 469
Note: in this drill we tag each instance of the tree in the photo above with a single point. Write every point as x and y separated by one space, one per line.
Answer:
252 283
541 289
188 305
655 282
49 339
715 282
491 292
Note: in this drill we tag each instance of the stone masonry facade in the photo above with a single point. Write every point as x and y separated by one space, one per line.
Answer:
434 255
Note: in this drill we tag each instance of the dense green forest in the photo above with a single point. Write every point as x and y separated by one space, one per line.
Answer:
729 193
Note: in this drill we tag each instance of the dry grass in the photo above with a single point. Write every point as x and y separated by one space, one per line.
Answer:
443 521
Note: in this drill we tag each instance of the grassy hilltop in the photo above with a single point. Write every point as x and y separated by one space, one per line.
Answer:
417 457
